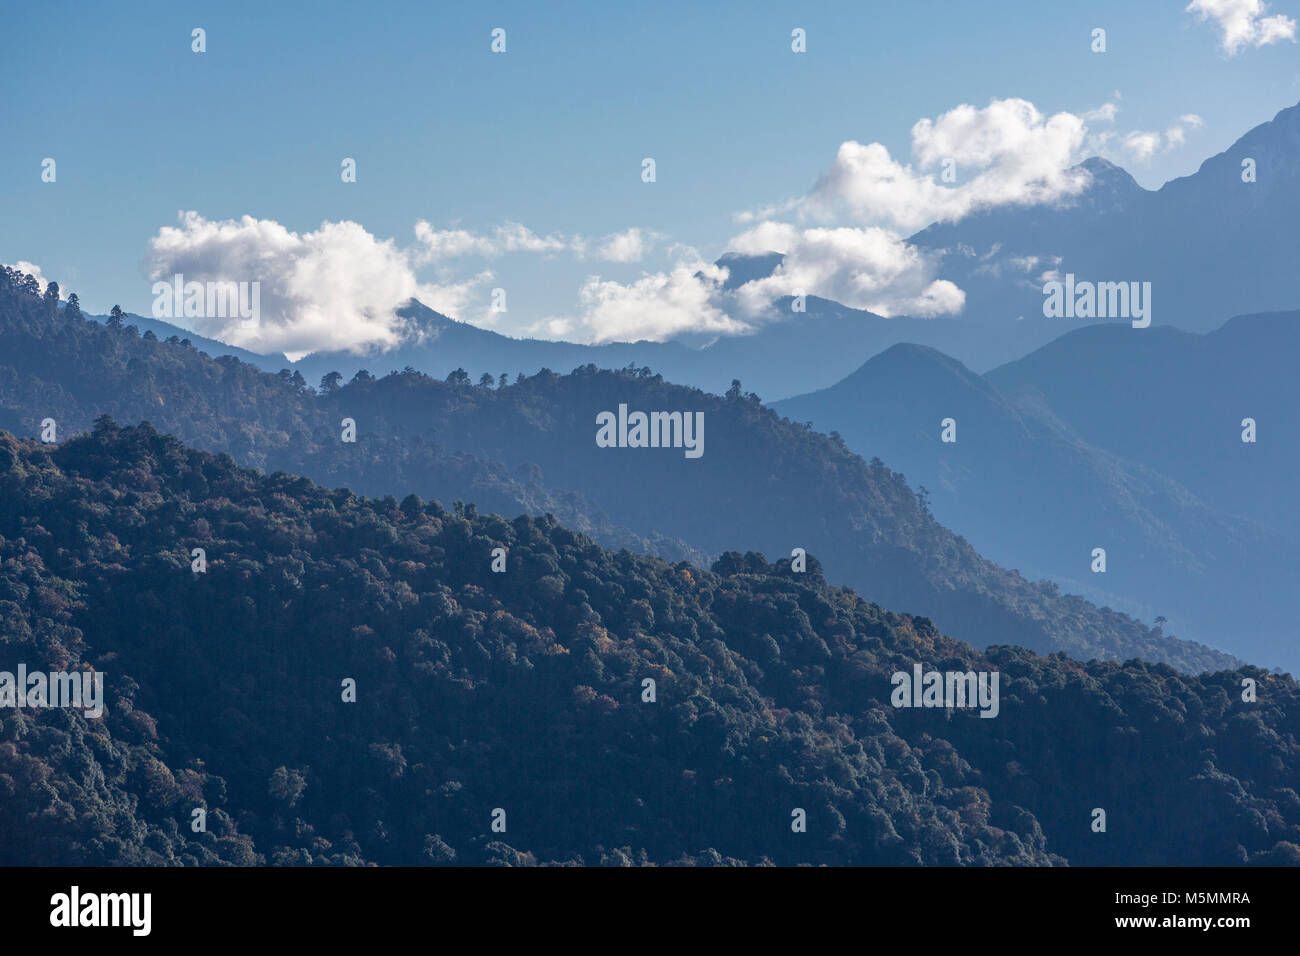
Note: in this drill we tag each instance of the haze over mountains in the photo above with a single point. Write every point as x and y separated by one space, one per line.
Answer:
762 483
780 359
1109 438
1211 245
1175 401
639 440
1133 434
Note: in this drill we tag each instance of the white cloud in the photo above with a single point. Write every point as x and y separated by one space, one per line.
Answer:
439 245
1029 263
870 268
1176 134
509 237
459 298
551 327
765 237
336 288
1141 145
33 270
339 287
1243 23
631 245
657 306
1006 153
767 212
1104 113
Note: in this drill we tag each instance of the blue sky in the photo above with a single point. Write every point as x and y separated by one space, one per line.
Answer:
552 133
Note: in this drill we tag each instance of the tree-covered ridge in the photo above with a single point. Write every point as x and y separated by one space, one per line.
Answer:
523 691
764 483
58 364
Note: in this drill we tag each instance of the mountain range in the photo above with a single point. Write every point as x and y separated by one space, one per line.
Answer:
661 655
347 681
1104 438
1222 241
1211 245
762 484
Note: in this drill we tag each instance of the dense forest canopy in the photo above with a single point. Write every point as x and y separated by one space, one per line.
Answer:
524 691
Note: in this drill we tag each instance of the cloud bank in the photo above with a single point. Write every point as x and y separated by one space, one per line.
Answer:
339 287
336 288
1242 23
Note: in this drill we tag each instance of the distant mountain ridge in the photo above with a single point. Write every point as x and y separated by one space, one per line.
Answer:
763 484
1210 244
1109 439
1176 401
765 360
1221 241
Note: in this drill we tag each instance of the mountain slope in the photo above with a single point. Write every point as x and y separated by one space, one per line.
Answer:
762 483
1026 490
71 371
1175 401
520 696
785 355
446 344
1211 244
166 331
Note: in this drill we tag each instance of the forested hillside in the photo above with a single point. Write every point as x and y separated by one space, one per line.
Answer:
524 691
62 366
763 483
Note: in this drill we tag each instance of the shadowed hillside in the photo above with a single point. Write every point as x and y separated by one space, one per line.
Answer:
762 484
524 692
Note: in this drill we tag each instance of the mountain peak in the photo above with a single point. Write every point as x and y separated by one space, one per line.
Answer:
1097 165
744 268
422 316
1271 147
1108 175
1288 116
907 368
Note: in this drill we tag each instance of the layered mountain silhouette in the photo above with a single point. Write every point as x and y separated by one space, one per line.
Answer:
1223 241
1175 401
1210 244
780 358
762 484
348 682
1111 439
